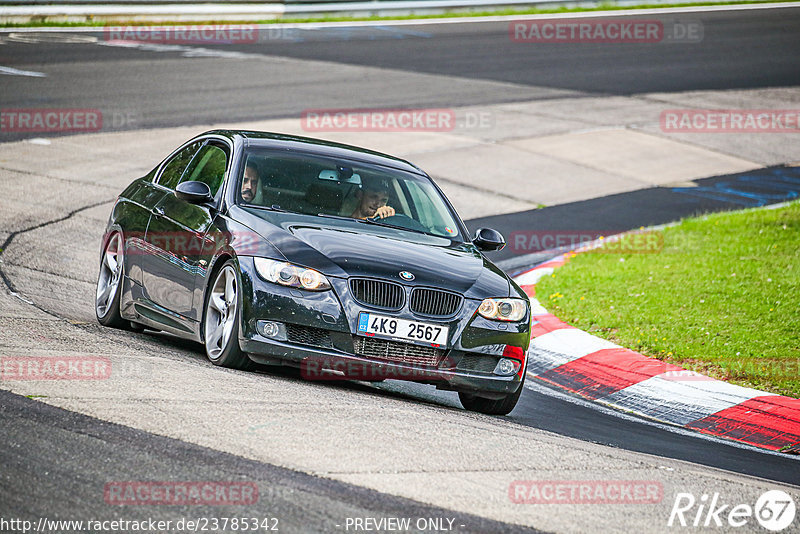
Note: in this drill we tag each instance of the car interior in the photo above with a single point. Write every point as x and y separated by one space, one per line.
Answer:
320 186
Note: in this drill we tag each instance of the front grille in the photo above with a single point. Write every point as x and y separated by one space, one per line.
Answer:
307 335
377 293
381 349
477 362
434 303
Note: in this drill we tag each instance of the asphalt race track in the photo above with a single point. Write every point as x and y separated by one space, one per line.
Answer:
54 460
480 62
46 484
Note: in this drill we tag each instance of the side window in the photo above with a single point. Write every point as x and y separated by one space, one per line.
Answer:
173 170
208 167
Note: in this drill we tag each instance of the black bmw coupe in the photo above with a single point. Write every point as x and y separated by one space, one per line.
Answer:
350 264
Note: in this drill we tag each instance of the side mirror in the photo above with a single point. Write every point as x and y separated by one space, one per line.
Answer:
488 239
193 192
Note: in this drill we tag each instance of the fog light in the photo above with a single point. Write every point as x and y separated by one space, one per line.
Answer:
506 367
272 330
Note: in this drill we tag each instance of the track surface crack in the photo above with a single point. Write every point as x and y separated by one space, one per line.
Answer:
7 243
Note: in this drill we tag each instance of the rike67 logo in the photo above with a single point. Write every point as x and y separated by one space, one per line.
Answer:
774 510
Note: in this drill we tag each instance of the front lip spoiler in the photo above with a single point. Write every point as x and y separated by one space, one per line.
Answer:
264 350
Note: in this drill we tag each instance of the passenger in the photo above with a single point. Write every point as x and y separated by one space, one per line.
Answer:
372 199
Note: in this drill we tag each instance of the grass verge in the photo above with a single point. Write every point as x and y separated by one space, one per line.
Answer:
721 297
453 14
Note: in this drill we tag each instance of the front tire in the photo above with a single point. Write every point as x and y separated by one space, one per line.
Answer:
502 406
221 320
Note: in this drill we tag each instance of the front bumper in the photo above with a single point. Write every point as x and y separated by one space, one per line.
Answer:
321 341
321 364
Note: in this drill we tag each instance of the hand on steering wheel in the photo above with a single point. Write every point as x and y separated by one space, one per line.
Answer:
383 212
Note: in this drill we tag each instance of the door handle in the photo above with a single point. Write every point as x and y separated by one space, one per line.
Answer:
158 210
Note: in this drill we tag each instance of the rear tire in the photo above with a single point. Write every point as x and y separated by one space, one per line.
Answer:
109 283
502 406
221 320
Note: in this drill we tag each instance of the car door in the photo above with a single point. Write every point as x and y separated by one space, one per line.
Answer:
156 249
177 232
132 213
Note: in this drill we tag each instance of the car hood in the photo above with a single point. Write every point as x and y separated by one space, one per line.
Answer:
345 249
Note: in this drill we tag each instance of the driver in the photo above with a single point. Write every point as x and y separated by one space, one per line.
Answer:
250 183
372 199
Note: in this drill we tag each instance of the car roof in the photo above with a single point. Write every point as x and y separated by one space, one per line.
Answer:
317 146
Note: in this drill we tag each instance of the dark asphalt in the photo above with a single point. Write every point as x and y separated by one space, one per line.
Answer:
485 51
136 88
56 465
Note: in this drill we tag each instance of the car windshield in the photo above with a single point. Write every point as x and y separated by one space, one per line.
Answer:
333 188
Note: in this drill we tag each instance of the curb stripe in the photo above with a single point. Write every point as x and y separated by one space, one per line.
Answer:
679 402
571 343
605 372
559 347
529 289
532 277
558 261
772 422
546 323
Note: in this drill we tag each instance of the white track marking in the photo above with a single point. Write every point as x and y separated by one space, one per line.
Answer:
17 72
185 51
44 37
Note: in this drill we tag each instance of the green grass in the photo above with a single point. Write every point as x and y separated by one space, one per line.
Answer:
499 12
722 297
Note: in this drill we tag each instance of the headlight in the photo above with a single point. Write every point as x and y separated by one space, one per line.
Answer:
503 309
286 274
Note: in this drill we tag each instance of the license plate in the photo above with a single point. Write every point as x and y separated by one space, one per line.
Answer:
401 329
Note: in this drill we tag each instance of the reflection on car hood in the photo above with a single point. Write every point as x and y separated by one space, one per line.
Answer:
351 249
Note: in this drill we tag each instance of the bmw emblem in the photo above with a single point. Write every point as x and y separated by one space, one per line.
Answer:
405 275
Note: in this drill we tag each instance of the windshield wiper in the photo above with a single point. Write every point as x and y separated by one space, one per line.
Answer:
340 217
362 221
274 207
376 222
